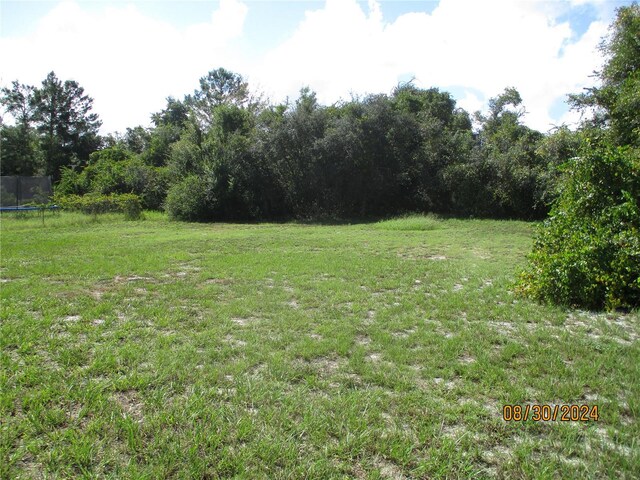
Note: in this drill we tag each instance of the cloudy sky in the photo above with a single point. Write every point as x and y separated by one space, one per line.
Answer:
130 55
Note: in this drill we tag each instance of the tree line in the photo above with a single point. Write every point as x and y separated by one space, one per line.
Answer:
223 153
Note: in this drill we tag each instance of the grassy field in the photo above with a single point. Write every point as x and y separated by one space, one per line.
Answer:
155 349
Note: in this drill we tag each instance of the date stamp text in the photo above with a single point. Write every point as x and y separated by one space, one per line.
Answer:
550 413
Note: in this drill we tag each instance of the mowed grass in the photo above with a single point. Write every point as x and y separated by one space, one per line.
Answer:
155 349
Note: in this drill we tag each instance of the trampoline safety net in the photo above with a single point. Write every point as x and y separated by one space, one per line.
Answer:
18 190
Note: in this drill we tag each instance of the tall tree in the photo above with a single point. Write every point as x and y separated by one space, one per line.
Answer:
445 138
175 115
18 101
19 146
68 129
508 148
168 127
616 102
218 87
20 151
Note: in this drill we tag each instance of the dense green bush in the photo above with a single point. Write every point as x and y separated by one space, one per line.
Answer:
95 204
148 182
72 182
188 200
116 170
587 253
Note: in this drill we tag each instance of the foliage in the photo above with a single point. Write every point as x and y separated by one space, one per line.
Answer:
410 151
21 154
148 182
18 101
616 101
504 175
189 200
218 87
156 143
68 131
19 147
588 252
380 155
54 127
95 204
555 149
137 139
116 170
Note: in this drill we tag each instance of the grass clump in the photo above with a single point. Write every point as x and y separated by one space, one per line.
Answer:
411 222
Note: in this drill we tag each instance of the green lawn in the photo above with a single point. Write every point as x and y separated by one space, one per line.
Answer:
156 349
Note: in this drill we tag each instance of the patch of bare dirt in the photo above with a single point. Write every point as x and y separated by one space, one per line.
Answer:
370 316
496 455
388 470
404 333
374 357
420 253
602 437
131 404
325 365
132 278
218 281
257 371
244 321
234 342
466 359
31 467
455 431
502 327
97 294
447 384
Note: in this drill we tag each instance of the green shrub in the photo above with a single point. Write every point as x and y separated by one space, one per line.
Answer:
587 253
94 204
115 171
150 183
71 183
188 200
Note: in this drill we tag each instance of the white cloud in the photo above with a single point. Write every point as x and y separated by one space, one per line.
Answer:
334 50
130 62
484 46
470 102
226 24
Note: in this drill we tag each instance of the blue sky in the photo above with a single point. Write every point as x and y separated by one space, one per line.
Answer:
130 55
